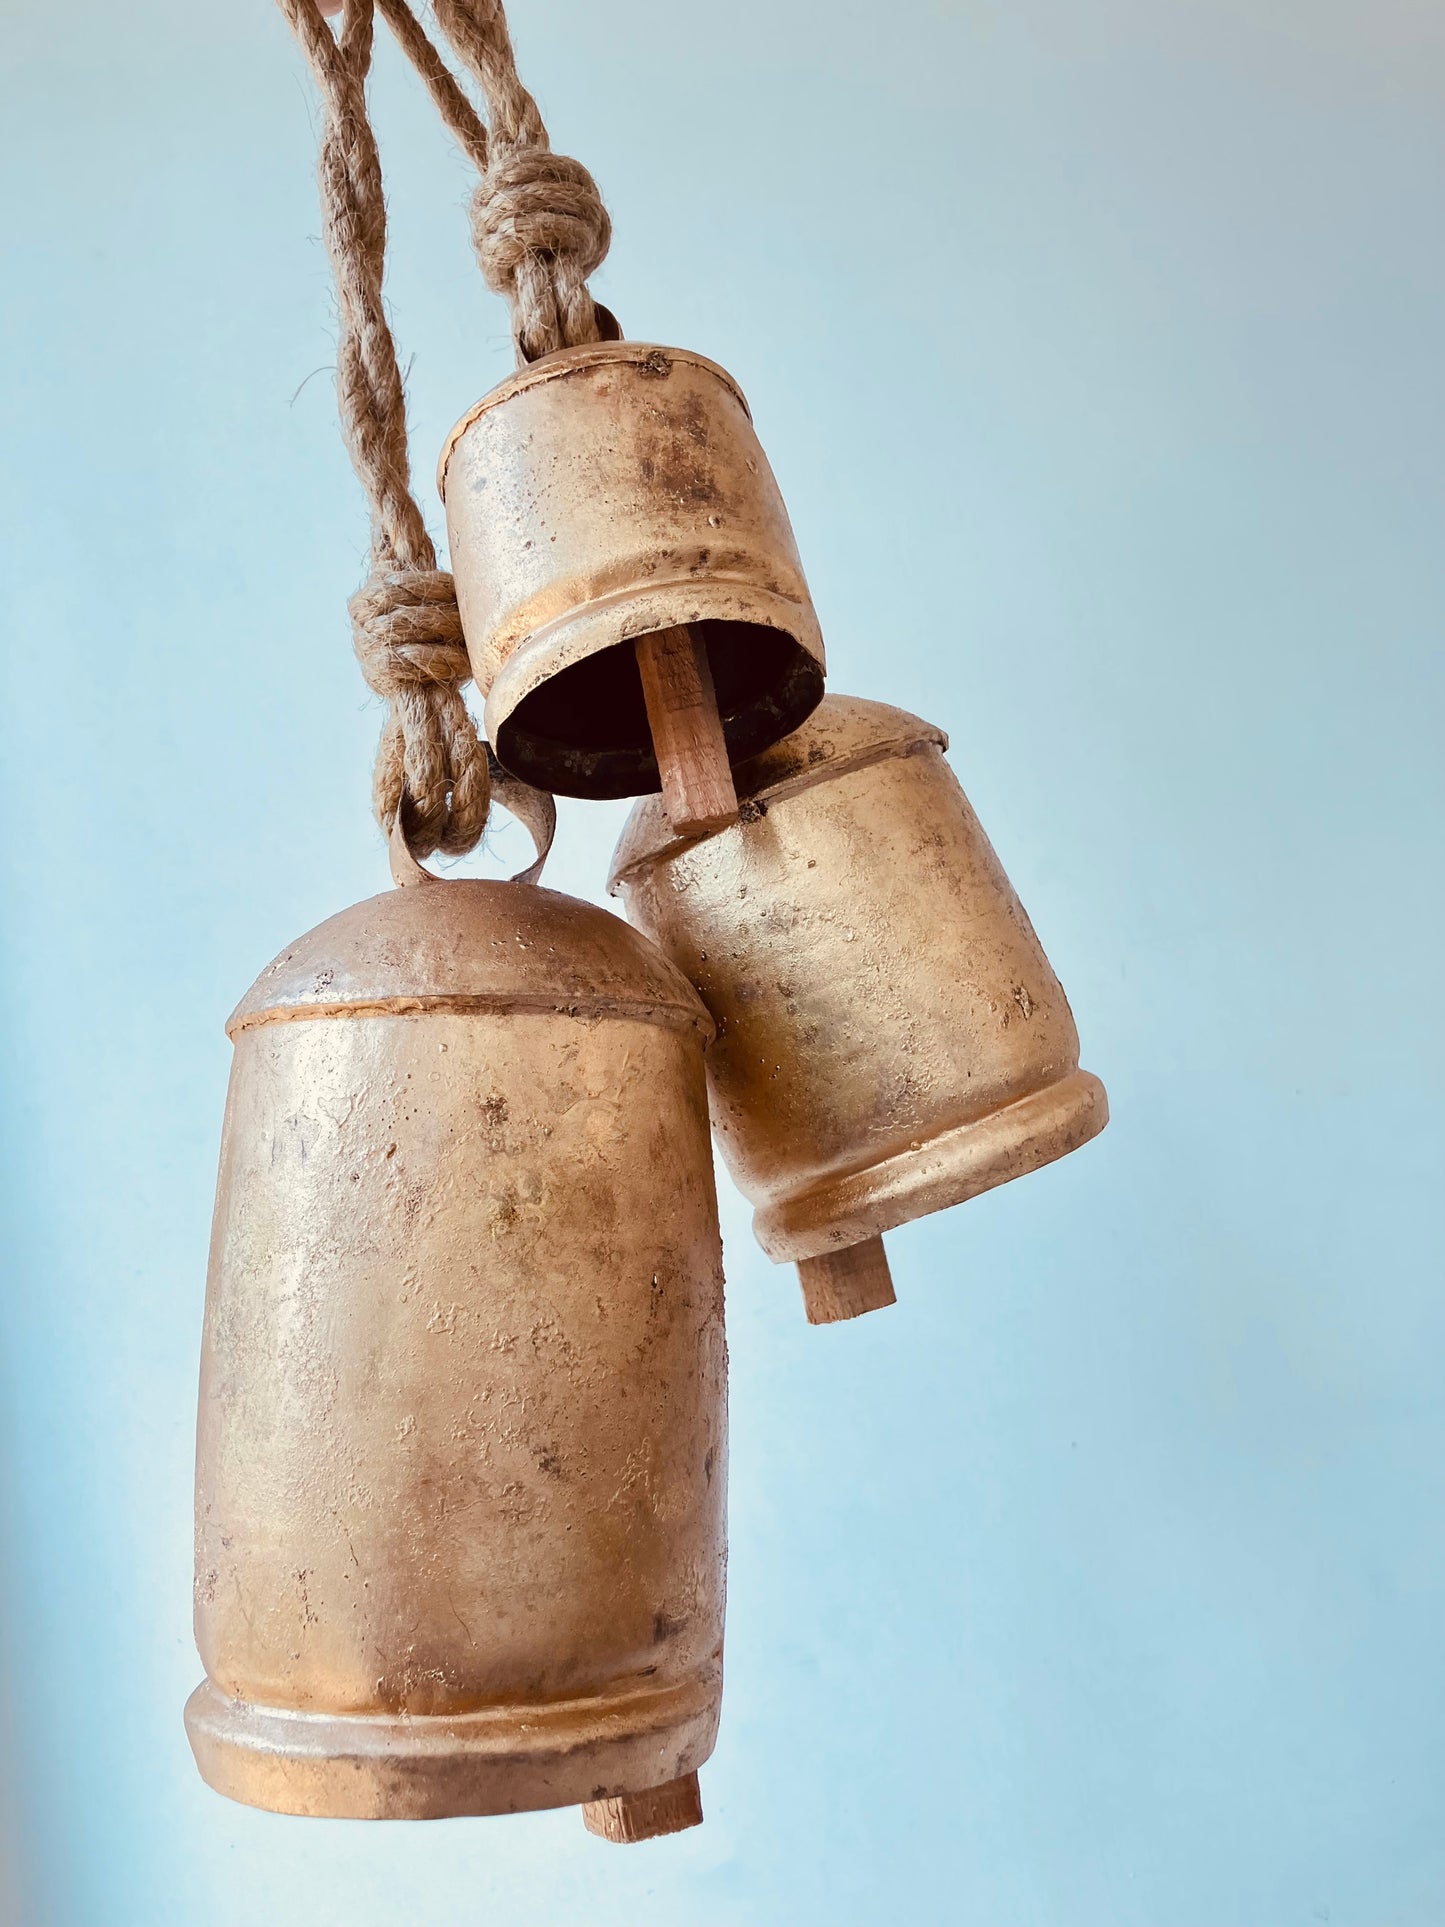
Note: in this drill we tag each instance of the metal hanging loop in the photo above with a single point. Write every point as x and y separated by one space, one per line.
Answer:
534 809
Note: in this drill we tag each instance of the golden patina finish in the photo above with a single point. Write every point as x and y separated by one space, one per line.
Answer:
462 1450
598 495
891 1038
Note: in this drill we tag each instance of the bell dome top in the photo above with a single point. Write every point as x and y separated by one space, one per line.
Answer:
472 945
596 358
843 732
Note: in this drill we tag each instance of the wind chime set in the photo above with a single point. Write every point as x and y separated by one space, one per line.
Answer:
462 1444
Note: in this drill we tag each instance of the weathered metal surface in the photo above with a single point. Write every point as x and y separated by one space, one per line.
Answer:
598 495
462 1452
891 1038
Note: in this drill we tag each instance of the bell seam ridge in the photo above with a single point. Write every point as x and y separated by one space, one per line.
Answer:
786 786
592 354
668 1016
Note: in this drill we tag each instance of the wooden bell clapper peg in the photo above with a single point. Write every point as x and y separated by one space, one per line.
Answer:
845 1284
687 734
630 1817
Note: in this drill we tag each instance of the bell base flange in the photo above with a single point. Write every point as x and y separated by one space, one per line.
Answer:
957 1165
500 1759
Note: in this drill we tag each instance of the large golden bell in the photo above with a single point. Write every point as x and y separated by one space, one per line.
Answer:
605 493
462 1450
891 1038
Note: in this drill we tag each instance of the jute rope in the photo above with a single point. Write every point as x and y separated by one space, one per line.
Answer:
540 229
538 223
430 765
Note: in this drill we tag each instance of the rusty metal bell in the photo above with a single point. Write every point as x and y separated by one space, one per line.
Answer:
462 1443
603 494
891 1038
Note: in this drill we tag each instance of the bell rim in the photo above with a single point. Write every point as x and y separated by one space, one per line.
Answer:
614 620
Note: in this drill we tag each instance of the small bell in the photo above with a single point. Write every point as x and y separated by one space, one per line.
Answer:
891 1039
612 493
462 1443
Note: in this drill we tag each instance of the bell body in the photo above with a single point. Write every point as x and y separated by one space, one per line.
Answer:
891 1038
462 1453
605 493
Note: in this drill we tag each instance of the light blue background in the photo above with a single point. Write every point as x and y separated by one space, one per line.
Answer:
1097 349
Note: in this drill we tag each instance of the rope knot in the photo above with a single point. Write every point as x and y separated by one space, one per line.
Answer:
431 766
540 229
407 631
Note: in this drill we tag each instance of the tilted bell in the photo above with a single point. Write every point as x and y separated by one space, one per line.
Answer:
609 493
891 1038
462 1444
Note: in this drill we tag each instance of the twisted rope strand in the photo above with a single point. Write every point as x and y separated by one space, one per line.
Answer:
538 222
452 104
406 631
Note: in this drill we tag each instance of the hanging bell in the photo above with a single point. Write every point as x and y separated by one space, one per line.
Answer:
891 1038
462 1443
603 500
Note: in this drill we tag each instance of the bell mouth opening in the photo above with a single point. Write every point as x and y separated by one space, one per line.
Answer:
584 731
